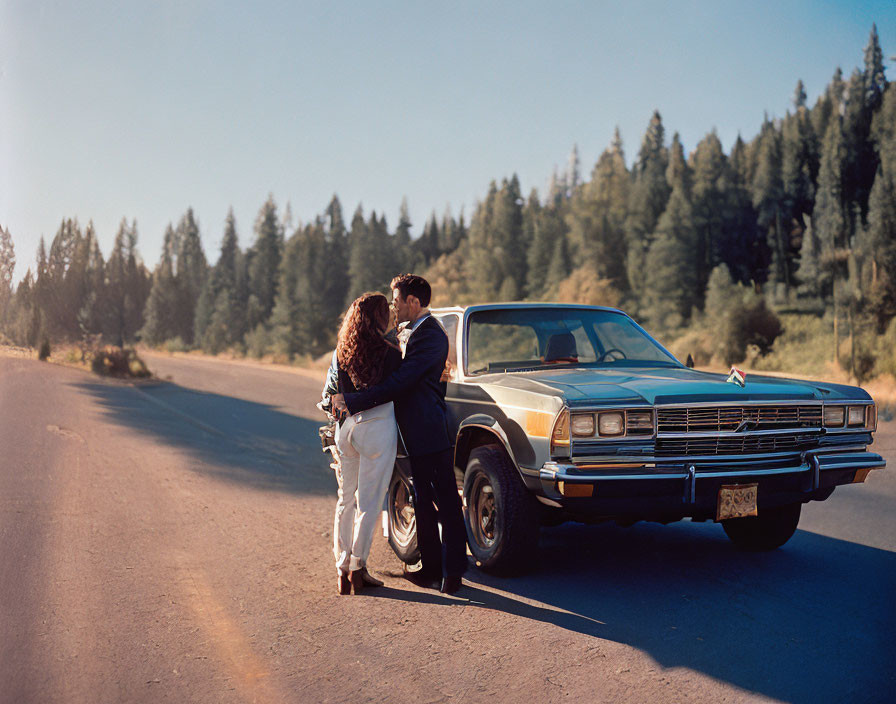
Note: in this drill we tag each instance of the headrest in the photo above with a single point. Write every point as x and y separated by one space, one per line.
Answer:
561 346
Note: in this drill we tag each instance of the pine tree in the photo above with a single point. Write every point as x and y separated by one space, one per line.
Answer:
799 95
875 82
597 216
768 200
714 220
7 269
90 270
191 269
264 265
315 324
285 316
828 216
649 194
559 268
403 256
220 312
496 255
881 234
160 322
670 274
747 255
540 246
336 284
573 171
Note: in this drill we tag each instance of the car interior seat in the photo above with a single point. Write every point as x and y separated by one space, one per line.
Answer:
561 347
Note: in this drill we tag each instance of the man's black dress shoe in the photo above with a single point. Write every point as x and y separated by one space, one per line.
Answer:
450 585
420 578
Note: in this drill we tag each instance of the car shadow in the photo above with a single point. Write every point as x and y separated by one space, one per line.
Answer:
812 621
233 439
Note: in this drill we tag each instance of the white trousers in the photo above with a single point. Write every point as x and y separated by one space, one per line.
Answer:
367 443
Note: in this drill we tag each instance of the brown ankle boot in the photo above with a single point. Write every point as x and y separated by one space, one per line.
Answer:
356 577
343 585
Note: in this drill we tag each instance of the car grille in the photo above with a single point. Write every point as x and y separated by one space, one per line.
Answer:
746 445
708 419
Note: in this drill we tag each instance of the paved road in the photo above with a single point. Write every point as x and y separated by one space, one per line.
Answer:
171 542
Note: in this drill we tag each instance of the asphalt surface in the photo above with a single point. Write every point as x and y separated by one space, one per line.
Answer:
172 542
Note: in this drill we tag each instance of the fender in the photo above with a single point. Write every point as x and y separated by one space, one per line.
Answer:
482 423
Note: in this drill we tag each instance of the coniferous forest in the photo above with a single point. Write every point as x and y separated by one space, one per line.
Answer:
791 236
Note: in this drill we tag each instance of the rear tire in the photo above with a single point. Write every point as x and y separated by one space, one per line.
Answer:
400 512
769 530
500 515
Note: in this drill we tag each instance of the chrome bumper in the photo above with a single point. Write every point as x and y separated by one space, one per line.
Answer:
565 480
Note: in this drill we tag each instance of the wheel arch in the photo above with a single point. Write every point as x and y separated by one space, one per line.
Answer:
476 431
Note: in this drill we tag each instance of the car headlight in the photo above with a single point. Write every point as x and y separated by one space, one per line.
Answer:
612 423
834 416
871 417
856 416
582 425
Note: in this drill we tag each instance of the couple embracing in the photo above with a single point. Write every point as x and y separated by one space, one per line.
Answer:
376 392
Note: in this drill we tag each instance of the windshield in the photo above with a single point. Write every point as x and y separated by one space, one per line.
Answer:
535 338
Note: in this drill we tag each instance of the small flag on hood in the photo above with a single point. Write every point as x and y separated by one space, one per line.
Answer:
736 376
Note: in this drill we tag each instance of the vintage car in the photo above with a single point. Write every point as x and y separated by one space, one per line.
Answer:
571 412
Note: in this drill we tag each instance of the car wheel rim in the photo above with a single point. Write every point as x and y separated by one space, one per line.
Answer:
483 513
401 514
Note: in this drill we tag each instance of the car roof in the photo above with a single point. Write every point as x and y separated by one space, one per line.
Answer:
521 305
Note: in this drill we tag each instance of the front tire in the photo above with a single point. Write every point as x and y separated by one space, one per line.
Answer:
500 516
402 521
769 530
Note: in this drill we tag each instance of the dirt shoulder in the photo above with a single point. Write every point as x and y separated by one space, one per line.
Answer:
314 370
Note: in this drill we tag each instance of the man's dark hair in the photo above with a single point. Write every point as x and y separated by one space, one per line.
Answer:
412 285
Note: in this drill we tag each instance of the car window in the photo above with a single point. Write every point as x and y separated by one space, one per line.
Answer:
583 345
616 334
500 346
504 339
449 322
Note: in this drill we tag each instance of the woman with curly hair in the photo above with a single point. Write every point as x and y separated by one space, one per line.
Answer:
366 442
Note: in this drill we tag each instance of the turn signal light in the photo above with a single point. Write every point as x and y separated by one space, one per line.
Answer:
560 435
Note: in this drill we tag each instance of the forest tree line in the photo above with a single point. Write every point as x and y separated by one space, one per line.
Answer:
800 218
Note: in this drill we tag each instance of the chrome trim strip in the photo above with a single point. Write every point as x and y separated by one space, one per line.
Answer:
553 471
650 459
766 402
712 435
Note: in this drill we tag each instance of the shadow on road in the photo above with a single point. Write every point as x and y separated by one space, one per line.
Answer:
235 440
812 621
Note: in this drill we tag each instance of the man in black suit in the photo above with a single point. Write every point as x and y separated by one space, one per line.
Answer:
419 396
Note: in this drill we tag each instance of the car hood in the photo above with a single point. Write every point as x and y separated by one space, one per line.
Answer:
664 385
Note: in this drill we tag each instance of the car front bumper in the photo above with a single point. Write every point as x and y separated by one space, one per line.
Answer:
675 490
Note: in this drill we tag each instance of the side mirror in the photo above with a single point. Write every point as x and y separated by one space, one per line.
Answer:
690 363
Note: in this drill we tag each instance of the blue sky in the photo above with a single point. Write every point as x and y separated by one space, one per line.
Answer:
143 109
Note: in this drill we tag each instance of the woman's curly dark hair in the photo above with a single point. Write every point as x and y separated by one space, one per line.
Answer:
361 348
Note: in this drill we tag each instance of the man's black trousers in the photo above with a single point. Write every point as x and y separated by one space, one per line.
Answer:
436 488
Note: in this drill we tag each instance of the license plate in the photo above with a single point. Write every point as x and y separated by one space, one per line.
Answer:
736 501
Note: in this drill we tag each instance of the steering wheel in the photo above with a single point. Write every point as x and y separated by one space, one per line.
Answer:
615 351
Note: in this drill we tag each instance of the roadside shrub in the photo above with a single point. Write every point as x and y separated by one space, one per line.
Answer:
258 342
116 361
175 344
738 317
44 353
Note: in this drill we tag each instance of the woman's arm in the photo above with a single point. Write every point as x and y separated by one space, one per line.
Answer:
427 350
331 387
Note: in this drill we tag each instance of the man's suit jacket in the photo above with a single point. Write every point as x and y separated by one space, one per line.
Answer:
415 388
